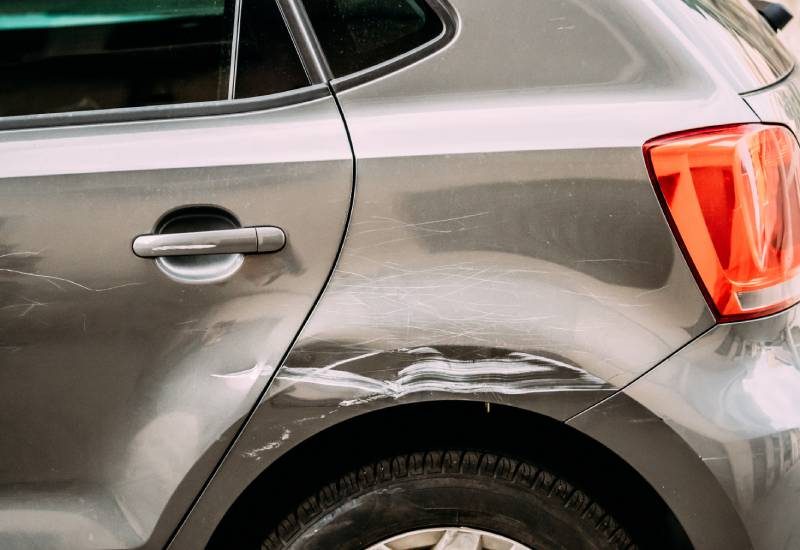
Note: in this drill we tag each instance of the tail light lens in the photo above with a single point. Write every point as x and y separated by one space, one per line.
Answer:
733 196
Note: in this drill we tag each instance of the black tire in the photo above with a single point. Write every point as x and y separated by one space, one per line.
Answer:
479 490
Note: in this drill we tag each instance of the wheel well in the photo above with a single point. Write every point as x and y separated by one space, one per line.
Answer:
450 424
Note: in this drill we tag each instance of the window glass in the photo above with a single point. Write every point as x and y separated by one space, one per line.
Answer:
357 34
78 55
268 61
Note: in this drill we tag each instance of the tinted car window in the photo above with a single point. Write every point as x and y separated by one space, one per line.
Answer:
268 61
356 34
78 55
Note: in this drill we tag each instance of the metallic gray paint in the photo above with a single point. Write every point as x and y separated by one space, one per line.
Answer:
505 241
245 240
779 104
732 397
669 464
736 40
505 245
121 388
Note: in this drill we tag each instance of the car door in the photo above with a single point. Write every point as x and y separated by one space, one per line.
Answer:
144 125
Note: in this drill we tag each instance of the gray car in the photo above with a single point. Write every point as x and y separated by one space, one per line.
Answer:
398 274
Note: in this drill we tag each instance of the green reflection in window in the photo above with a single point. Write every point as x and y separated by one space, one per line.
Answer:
44 14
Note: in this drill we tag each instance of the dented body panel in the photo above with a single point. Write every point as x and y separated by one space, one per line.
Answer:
478 225
505 244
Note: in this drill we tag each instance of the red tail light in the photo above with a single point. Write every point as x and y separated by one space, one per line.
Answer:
733 195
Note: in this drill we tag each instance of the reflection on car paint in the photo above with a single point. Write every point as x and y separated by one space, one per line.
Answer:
432 371
732 395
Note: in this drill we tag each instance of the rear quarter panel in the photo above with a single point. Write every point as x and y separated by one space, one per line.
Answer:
505 244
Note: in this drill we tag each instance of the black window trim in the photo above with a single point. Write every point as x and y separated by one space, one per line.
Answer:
316 90
166 112
305 41
450 25
311 56
234 63
316 63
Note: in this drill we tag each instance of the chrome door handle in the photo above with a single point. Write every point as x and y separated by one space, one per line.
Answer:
245 240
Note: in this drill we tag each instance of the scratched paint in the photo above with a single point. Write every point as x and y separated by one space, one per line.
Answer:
517 373
134 383
256 453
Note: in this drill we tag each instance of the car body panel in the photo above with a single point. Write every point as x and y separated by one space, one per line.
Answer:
670 465
735 40
506 244
468 171
779 104
121 388
731 395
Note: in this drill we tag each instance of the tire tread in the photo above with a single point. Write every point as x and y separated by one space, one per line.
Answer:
469 463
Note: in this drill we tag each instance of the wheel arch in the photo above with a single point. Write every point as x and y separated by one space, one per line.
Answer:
439 425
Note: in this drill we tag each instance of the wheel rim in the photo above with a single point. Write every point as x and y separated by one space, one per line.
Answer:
448 538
